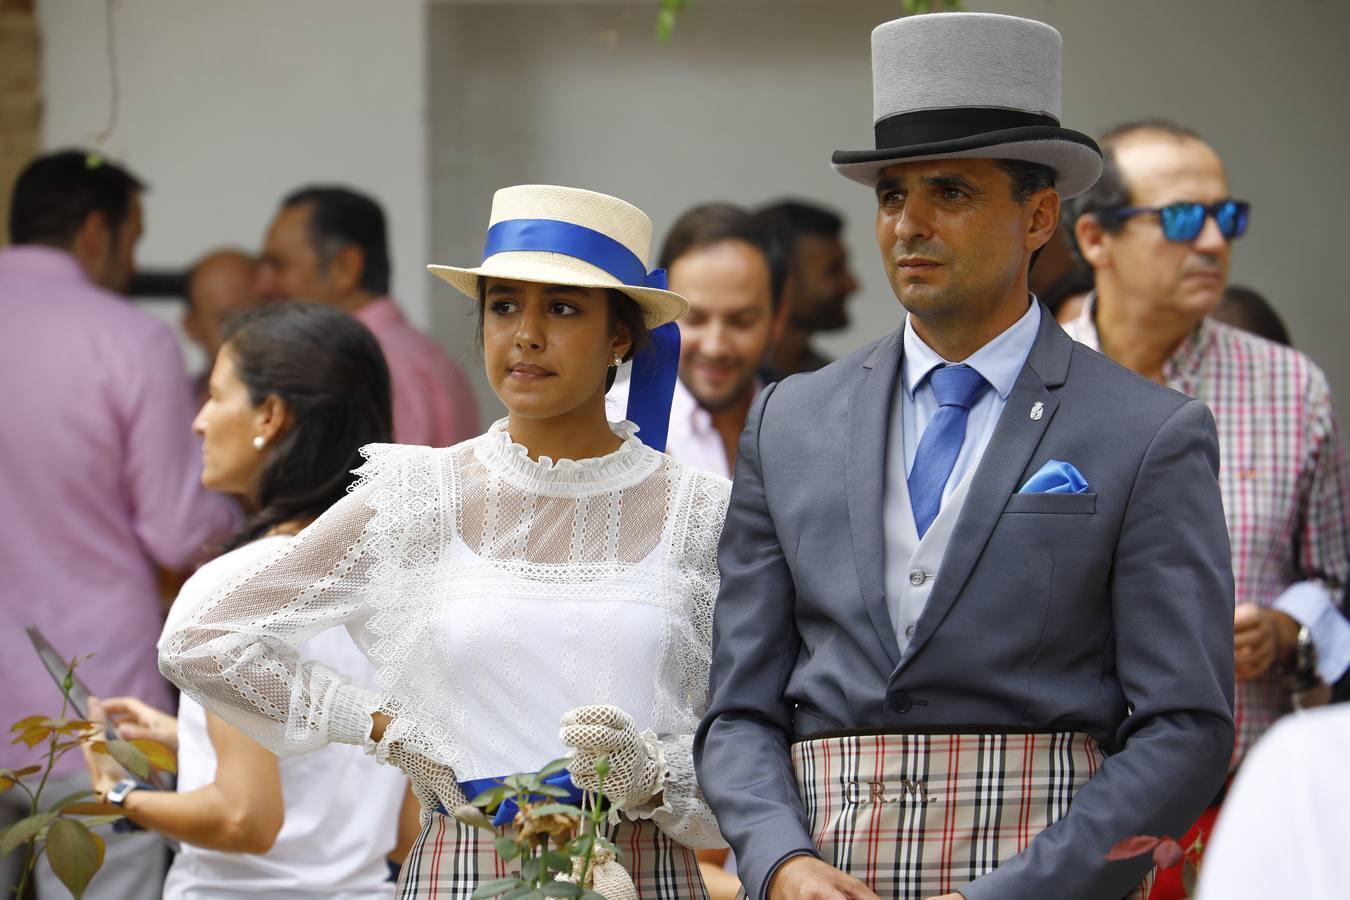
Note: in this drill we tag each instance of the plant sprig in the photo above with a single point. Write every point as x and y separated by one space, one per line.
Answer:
62 829
553 842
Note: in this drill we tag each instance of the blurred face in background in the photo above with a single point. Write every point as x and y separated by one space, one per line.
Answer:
290 267
1183 278
228 422
820 283
221 286
106 254
730 323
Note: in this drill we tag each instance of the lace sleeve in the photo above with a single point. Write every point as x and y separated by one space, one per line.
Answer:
235 654
683 813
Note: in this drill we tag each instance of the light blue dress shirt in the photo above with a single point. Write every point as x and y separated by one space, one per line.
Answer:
1000 362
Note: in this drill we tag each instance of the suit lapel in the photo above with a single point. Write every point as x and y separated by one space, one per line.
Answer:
999 473
866 430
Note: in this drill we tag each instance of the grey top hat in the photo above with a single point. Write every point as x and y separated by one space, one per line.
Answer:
948 85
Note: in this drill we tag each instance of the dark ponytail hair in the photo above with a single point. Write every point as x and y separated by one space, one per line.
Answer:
329 371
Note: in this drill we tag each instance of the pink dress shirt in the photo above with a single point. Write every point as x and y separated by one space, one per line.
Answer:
102 480
693 439
433 402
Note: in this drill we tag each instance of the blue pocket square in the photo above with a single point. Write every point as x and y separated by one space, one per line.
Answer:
1056 477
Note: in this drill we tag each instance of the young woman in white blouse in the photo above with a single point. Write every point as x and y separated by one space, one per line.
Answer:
296 391
544 588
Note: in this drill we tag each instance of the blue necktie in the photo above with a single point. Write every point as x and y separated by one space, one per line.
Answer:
956 388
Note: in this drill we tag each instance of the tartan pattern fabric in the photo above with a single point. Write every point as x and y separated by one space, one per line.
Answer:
450 859
918 815
1282 473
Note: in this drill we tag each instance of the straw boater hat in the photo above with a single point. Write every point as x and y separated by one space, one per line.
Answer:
562 235
961 85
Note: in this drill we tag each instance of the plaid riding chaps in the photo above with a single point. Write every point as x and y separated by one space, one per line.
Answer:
919 815
450 860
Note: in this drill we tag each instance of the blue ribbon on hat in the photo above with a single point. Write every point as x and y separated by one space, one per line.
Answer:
656 365
570 239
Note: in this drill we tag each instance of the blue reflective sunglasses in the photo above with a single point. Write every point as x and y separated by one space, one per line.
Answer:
1184 221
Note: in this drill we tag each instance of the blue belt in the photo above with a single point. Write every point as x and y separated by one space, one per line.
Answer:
506 812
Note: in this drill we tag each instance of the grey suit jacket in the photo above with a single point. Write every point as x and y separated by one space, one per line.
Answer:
1109 612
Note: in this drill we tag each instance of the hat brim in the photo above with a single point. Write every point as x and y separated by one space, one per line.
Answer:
1075 157
658 306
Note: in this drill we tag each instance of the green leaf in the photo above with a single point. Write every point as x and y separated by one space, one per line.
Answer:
507 849
131 758
474 817
96 821
558 862
160 756
69 799
23 831
532 869
75 854
548 790
555 767
522 892
491 797
493 888
562 889
603 767
25 724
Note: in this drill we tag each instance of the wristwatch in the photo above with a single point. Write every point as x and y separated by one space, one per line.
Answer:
117 794
1304 673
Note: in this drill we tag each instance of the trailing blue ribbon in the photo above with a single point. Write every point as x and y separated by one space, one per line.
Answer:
656 365
651 386
506 812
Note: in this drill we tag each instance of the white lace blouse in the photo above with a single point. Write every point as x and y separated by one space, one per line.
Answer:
492 593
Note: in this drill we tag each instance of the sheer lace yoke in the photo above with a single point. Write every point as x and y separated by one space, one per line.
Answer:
595 514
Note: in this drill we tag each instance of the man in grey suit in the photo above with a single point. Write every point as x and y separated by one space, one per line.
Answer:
973 571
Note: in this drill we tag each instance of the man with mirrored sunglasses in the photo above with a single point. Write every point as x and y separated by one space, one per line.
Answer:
1157 230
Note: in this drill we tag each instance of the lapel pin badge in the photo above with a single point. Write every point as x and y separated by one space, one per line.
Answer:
1037 410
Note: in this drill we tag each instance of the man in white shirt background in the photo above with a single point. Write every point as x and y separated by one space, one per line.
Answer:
727 264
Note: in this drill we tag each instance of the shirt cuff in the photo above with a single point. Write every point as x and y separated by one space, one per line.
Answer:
349 719
1312 605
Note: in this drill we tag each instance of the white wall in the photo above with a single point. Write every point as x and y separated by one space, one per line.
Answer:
749 98
225 107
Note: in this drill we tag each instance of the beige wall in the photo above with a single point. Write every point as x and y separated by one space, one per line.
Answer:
20 101
751 96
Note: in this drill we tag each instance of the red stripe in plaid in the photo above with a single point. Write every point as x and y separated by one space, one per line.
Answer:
919 815
451 859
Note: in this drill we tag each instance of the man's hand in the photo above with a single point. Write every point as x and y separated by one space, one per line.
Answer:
1261 639
807 878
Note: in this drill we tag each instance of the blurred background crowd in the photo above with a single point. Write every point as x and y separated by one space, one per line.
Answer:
230 157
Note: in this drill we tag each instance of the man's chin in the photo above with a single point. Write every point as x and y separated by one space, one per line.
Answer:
722 400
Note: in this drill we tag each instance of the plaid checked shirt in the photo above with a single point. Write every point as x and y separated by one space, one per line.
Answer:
1284 482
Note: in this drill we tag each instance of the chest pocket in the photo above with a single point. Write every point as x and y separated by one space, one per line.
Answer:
1052 504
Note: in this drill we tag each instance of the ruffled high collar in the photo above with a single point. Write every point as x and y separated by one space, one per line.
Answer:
629 464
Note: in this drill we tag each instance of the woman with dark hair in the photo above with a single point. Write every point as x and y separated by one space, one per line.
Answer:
553 573
295 392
